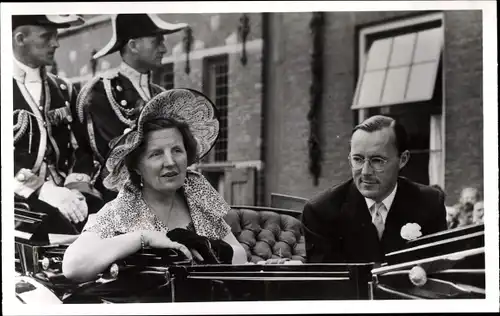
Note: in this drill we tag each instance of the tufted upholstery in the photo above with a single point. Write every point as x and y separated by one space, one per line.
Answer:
267 234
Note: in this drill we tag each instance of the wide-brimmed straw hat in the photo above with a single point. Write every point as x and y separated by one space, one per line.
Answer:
184 105
130 26
56 20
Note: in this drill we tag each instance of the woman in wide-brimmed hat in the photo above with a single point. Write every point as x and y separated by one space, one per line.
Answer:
157 193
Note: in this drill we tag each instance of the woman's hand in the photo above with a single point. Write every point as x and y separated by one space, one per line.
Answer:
156 239
197 255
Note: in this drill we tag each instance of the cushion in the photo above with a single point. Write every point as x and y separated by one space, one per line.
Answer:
267 234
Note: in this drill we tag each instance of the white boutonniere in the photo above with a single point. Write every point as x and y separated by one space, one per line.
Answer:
411 231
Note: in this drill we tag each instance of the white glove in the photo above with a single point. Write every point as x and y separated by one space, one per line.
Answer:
71 203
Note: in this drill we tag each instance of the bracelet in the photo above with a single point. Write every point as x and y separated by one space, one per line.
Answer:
142 241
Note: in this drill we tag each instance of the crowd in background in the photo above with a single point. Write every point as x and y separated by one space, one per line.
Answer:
469 209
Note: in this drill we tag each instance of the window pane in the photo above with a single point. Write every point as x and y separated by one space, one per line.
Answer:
378 55
402 50
428 45
395 85
371 88
422 81
216 87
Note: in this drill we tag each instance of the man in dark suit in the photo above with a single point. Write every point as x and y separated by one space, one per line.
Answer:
376 211
110 103
47 138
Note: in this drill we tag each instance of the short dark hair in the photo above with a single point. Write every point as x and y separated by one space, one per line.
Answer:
158 124
378 122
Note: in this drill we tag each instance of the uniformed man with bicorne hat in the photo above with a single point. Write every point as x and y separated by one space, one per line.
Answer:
110 102
52 163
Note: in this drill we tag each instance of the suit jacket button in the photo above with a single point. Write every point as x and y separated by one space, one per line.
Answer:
119 88
123 102
21 177
63 86
66 103
40 108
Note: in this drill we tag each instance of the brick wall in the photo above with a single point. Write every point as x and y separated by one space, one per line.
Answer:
288 76
287 126
245 107
288 173
75 51
211 29
464 106
212 34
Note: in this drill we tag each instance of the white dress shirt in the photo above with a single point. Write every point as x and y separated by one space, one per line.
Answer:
139 81
31 79
387 203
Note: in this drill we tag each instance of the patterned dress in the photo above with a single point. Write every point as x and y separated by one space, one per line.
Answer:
129 213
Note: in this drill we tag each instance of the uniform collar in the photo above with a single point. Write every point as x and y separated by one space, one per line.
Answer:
24 73
133 75
387 201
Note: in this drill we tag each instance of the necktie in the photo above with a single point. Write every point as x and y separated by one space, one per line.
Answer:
144 84
377 219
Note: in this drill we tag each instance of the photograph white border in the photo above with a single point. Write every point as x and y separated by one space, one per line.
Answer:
490 108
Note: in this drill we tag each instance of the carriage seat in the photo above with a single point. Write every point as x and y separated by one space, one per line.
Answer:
267 233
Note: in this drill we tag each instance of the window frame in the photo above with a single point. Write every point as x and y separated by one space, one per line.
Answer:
207 75
366 32
360 114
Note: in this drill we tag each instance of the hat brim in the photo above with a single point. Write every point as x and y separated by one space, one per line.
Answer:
161 28
66 21
186 105
51 20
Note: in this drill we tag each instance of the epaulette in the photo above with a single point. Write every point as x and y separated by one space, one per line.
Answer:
109 74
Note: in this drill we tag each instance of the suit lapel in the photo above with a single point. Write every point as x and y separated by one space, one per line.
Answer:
400 214
359 221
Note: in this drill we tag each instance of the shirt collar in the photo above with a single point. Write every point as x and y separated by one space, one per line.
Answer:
133 75
25 73
387 201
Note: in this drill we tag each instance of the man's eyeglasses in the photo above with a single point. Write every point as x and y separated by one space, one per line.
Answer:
377 163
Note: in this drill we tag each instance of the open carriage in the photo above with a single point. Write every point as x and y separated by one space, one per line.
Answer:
445 265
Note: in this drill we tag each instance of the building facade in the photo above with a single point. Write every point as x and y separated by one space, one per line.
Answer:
289 88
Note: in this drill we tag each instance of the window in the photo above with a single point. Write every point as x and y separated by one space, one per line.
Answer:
401 77
165 76
215 86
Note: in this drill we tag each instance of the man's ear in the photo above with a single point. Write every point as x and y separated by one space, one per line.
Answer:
132 45
403 159
18 37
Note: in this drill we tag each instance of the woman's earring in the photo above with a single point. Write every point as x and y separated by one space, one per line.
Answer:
141 183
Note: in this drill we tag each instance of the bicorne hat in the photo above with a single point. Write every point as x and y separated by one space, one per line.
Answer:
55 20
130 26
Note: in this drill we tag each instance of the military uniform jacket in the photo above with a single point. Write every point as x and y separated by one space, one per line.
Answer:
49 143
107 106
